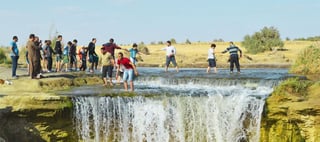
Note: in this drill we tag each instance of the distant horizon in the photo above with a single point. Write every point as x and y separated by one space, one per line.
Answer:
135 21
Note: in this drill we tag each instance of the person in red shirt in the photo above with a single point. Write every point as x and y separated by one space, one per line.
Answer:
128 70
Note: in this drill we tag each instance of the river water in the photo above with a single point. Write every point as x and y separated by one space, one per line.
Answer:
189 106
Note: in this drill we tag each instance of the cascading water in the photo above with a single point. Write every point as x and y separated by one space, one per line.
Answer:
181 109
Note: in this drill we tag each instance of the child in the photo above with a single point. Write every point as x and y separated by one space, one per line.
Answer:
83 58
133 53
107 63
212 59
66 55
48 52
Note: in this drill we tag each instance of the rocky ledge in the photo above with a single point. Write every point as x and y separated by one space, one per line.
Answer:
292 112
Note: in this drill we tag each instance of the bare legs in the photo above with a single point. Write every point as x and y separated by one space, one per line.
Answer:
177 69
125 84
214 69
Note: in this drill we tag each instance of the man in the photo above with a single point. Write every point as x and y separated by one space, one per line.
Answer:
111 46
129 69
33 60
170 56
234 58
58 51
14 56
93 57
107 62
73 54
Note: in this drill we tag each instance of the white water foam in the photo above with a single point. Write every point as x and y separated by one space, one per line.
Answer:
222 114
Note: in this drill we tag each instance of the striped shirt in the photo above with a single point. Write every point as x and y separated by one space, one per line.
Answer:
233 50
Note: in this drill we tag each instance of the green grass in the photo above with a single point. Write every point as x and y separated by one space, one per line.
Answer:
308 61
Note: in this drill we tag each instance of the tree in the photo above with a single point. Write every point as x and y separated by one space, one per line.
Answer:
188 41
160 42
173 41
265 40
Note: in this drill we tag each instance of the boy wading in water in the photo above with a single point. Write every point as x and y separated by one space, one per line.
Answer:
170 56
128 70
107 62
212 59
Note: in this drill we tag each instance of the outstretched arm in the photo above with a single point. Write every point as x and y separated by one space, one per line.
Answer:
225 51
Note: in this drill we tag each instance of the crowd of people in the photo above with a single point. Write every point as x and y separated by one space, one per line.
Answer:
39 58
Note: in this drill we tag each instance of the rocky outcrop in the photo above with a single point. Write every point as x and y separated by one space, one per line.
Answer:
292 113
29 118
30 110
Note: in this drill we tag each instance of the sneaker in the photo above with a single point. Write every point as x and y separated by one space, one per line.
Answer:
239 72
231 72
15 77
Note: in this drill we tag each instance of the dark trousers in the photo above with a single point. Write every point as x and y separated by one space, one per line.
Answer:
234 59
34 68
14 65
107 71
49 66
83 65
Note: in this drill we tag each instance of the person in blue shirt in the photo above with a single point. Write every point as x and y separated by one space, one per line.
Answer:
133 53
14 55
234 57
65 56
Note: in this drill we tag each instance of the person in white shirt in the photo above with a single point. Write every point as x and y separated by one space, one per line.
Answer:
170 56
212 59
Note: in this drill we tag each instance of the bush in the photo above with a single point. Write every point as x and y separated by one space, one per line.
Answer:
294 86
308 61
143 48
265 40
3 57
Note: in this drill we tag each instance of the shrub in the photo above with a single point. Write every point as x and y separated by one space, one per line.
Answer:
143 48
308 61
294 86
265 40
3 57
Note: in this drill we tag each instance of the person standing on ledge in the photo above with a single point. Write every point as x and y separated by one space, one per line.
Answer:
212 59
129 71
234 57
93 56
14 56
170 56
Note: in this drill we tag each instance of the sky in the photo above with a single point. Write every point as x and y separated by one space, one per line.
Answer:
130 21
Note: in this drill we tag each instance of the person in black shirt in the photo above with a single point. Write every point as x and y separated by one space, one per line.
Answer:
93 57
58 51
73 54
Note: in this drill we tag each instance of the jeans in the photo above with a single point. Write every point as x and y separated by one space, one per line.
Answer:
128 75
14 65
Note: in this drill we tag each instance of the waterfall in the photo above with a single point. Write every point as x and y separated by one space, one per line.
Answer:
184 110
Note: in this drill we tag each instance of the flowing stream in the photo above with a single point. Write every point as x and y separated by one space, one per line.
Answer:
189 106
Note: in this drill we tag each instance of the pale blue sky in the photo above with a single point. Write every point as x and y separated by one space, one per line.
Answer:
129 21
